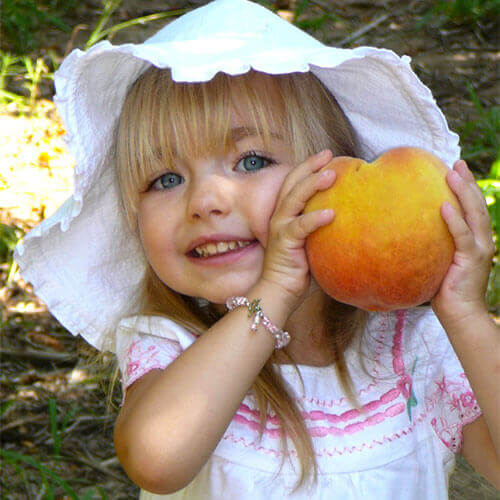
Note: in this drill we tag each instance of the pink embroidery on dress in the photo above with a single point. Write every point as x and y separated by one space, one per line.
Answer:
250 418
441 386
468 399
386 398
382 331
455 396
403 388
397 357
453 402
374 419
380 343
405 383
145 355
254 426
272 422
230 436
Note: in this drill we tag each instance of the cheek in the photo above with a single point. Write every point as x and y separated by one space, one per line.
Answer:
154 231
263 204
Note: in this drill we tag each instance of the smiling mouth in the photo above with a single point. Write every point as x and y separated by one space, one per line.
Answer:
218 248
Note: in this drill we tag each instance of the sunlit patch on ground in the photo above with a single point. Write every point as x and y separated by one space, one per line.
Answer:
36 169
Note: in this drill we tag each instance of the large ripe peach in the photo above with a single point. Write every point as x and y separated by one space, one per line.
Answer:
388 246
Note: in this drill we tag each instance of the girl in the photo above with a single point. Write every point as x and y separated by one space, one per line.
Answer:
182 250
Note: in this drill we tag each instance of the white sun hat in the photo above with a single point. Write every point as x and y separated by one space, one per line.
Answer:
83 261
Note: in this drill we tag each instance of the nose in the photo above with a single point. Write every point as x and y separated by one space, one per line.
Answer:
209 196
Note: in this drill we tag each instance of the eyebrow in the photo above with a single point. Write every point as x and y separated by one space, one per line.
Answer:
239 133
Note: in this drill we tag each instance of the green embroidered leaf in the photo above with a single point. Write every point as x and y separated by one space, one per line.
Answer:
412 401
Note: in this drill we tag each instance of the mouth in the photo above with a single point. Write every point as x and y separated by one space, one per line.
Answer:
216 248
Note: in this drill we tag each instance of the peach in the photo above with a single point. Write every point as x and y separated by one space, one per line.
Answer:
388 246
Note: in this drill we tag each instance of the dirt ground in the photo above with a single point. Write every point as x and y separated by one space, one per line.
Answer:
44 370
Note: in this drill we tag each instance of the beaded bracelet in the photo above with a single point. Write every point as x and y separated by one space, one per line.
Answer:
281 338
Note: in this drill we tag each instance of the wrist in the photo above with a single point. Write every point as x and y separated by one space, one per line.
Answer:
255 311
470 324
276 303
282 299
452 316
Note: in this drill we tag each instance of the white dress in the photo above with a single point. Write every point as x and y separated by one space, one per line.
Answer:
414 400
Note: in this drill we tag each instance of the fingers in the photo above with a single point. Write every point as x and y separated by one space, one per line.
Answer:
296 200
461 168
306 224
472 230
303 172
304 181
464 239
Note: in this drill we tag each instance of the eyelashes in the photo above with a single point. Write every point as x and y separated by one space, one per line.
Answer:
248 163
171 180
253 161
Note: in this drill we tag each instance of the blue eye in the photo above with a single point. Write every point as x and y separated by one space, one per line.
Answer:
251 162
167 181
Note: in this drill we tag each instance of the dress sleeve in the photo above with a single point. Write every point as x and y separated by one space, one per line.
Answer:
450 402
146 343
147 353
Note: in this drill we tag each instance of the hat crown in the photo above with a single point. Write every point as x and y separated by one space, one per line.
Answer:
233 23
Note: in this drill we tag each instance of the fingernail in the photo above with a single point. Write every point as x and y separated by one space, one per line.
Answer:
447 208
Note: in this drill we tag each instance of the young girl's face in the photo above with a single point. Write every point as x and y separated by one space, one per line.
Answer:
204 221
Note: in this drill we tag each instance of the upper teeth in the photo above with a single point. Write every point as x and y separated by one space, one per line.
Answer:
210 249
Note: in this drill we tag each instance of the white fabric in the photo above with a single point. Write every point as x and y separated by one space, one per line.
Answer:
83 262
402 447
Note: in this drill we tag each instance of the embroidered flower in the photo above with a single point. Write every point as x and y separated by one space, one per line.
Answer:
132 368
468 399
454 403
450 434
442 386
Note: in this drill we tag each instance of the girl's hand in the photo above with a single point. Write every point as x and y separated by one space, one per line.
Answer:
285 261
462 292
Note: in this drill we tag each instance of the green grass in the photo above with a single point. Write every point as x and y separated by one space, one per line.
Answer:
31 72
461 12
51 483
109 7
9 236
310 23
480 137
21 20
490 186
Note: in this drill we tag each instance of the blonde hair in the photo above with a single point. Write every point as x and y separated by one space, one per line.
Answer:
162 118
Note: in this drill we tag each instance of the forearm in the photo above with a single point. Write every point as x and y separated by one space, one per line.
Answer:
477 345
176 422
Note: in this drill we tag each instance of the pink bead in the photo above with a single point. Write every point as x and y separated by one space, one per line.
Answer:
281 338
